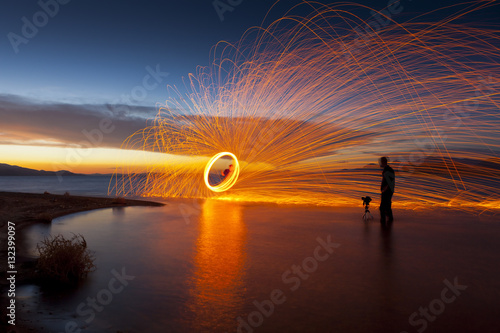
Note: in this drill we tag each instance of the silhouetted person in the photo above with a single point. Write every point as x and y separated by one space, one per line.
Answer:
227 171
387 190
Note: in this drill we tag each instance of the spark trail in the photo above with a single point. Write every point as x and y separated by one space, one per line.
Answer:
308 104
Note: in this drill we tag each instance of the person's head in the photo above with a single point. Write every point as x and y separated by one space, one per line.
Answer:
382 162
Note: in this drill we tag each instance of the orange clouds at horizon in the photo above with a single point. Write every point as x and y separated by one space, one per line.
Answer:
82 160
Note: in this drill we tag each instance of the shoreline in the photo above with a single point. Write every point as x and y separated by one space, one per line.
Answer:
25 209
22 208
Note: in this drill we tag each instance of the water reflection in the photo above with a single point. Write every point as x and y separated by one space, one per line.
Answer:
118 211
217 282
386 243
388 283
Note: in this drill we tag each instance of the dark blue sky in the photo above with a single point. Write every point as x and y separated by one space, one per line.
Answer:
97 51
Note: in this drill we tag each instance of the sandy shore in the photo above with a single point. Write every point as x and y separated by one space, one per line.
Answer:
22 208
26 208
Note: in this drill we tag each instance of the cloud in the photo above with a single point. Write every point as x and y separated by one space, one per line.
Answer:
30 122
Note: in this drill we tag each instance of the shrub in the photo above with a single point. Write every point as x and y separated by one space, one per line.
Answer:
119 200
65 260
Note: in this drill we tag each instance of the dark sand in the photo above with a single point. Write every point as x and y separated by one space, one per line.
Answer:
24 209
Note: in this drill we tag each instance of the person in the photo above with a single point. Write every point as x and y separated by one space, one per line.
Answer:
387 190
227 171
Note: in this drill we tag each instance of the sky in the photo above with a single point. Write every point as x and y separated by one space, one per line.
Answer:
66 63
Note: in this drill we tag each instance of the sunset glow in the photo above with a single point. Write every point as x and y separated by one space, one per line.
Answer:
82 160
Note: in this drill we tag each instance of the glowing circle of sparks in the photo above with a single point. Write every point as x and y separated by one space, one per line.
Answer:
230 180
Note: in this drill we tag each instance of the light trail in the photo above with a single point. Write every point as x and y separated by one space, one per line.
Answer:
232 177
309 104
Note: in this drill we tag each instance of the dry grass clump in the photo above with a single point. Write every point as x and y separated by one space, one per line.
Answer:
65 260
119 200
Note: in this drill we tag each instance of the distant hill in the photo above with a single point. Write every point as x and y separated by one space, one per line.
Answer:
14 170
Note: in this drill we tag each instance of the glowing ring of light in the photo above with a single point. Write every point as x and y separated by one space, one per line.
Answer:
226 184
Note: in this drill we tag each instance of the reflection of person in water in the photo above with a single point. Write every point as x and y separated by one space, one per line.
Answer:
227 171
387 189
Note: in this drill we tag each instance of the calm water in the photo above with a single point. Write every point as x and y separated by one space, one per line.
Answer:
75 185
215 266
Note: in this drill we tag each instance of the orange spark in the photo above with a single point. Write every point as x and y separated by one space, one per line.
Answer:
309 104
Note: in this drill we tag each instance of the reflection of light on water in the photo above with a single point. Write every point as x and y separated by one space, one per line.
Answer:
219 261
27 292
34 235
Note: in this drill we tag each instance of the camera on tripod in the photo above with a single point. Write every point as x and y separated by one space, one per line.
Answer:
366 203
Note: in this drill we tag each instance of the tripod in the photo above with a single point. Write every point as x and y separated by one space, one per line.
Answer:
367 215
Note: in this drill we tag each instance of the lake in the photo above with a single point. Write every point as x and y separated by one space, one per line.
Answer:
219 266
75 185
